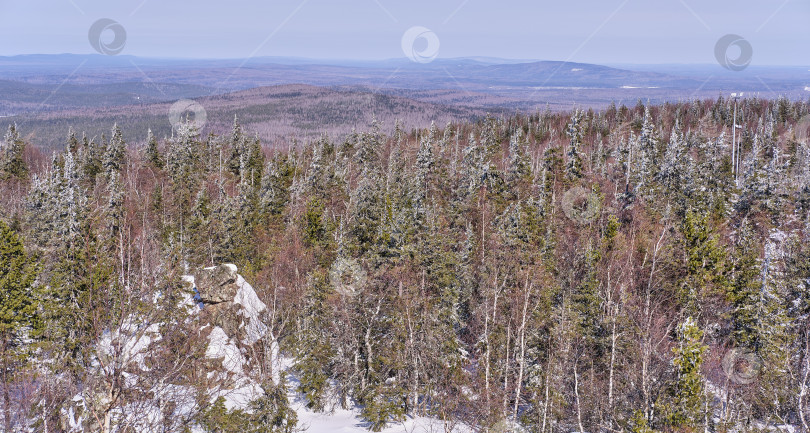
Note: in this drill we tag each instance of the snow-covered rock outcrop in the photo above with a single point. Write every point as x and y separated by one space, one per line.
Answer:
151 374
233 312
231 303
157 376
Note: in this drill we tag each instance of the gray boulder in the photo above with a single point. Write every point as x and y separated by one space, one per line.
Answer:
217 284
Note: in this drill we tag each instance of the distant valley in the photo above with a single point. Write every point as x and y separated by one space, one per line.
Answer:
277 114
49 93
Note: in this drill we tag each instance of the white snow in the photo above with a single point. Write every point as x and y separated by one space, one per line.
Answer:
230 266
128 342
188 304
349 421
777 428
252 306
777 235
220 346
576 69
243 392
73 420
340 420
132 339
277 362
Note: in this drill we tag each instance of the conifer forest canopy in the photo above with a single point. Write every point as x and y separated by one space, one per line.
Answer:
626 269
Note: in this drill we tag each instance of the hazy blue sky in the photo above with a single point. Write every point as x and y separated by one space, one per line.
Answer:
598 31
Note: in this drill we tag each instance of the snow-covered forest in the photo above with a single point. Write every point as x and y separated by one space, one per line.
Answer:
635 269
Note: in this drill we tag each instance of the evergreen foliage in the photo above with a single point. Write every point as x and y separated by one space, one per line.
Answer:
433 272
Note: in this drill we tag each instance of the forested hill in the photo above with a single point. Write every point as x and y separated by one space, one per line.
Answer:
278 115
623 270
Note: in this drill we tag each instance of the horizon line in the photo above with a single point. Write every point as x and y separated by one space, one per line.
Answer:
480 58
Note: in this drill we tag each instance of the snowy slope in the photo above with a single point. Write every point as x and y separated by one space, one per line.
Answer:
230 374
349 421
337 421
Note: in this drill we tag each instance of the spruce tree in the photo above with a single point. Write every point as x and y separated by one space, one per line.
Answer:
672 167
705 265
115 154
686 407
152 153
519 169
237 145
19 321
424 164
313 349
12 151
275 185
91 161
744 289
647 147
574 168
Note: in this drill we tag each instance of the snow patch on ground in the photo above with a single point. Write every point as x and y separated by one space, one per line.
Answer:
243 392
349 420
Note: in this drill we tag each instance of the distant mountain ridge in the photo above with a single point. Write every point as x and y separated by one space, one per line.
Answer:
52 91
469 73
